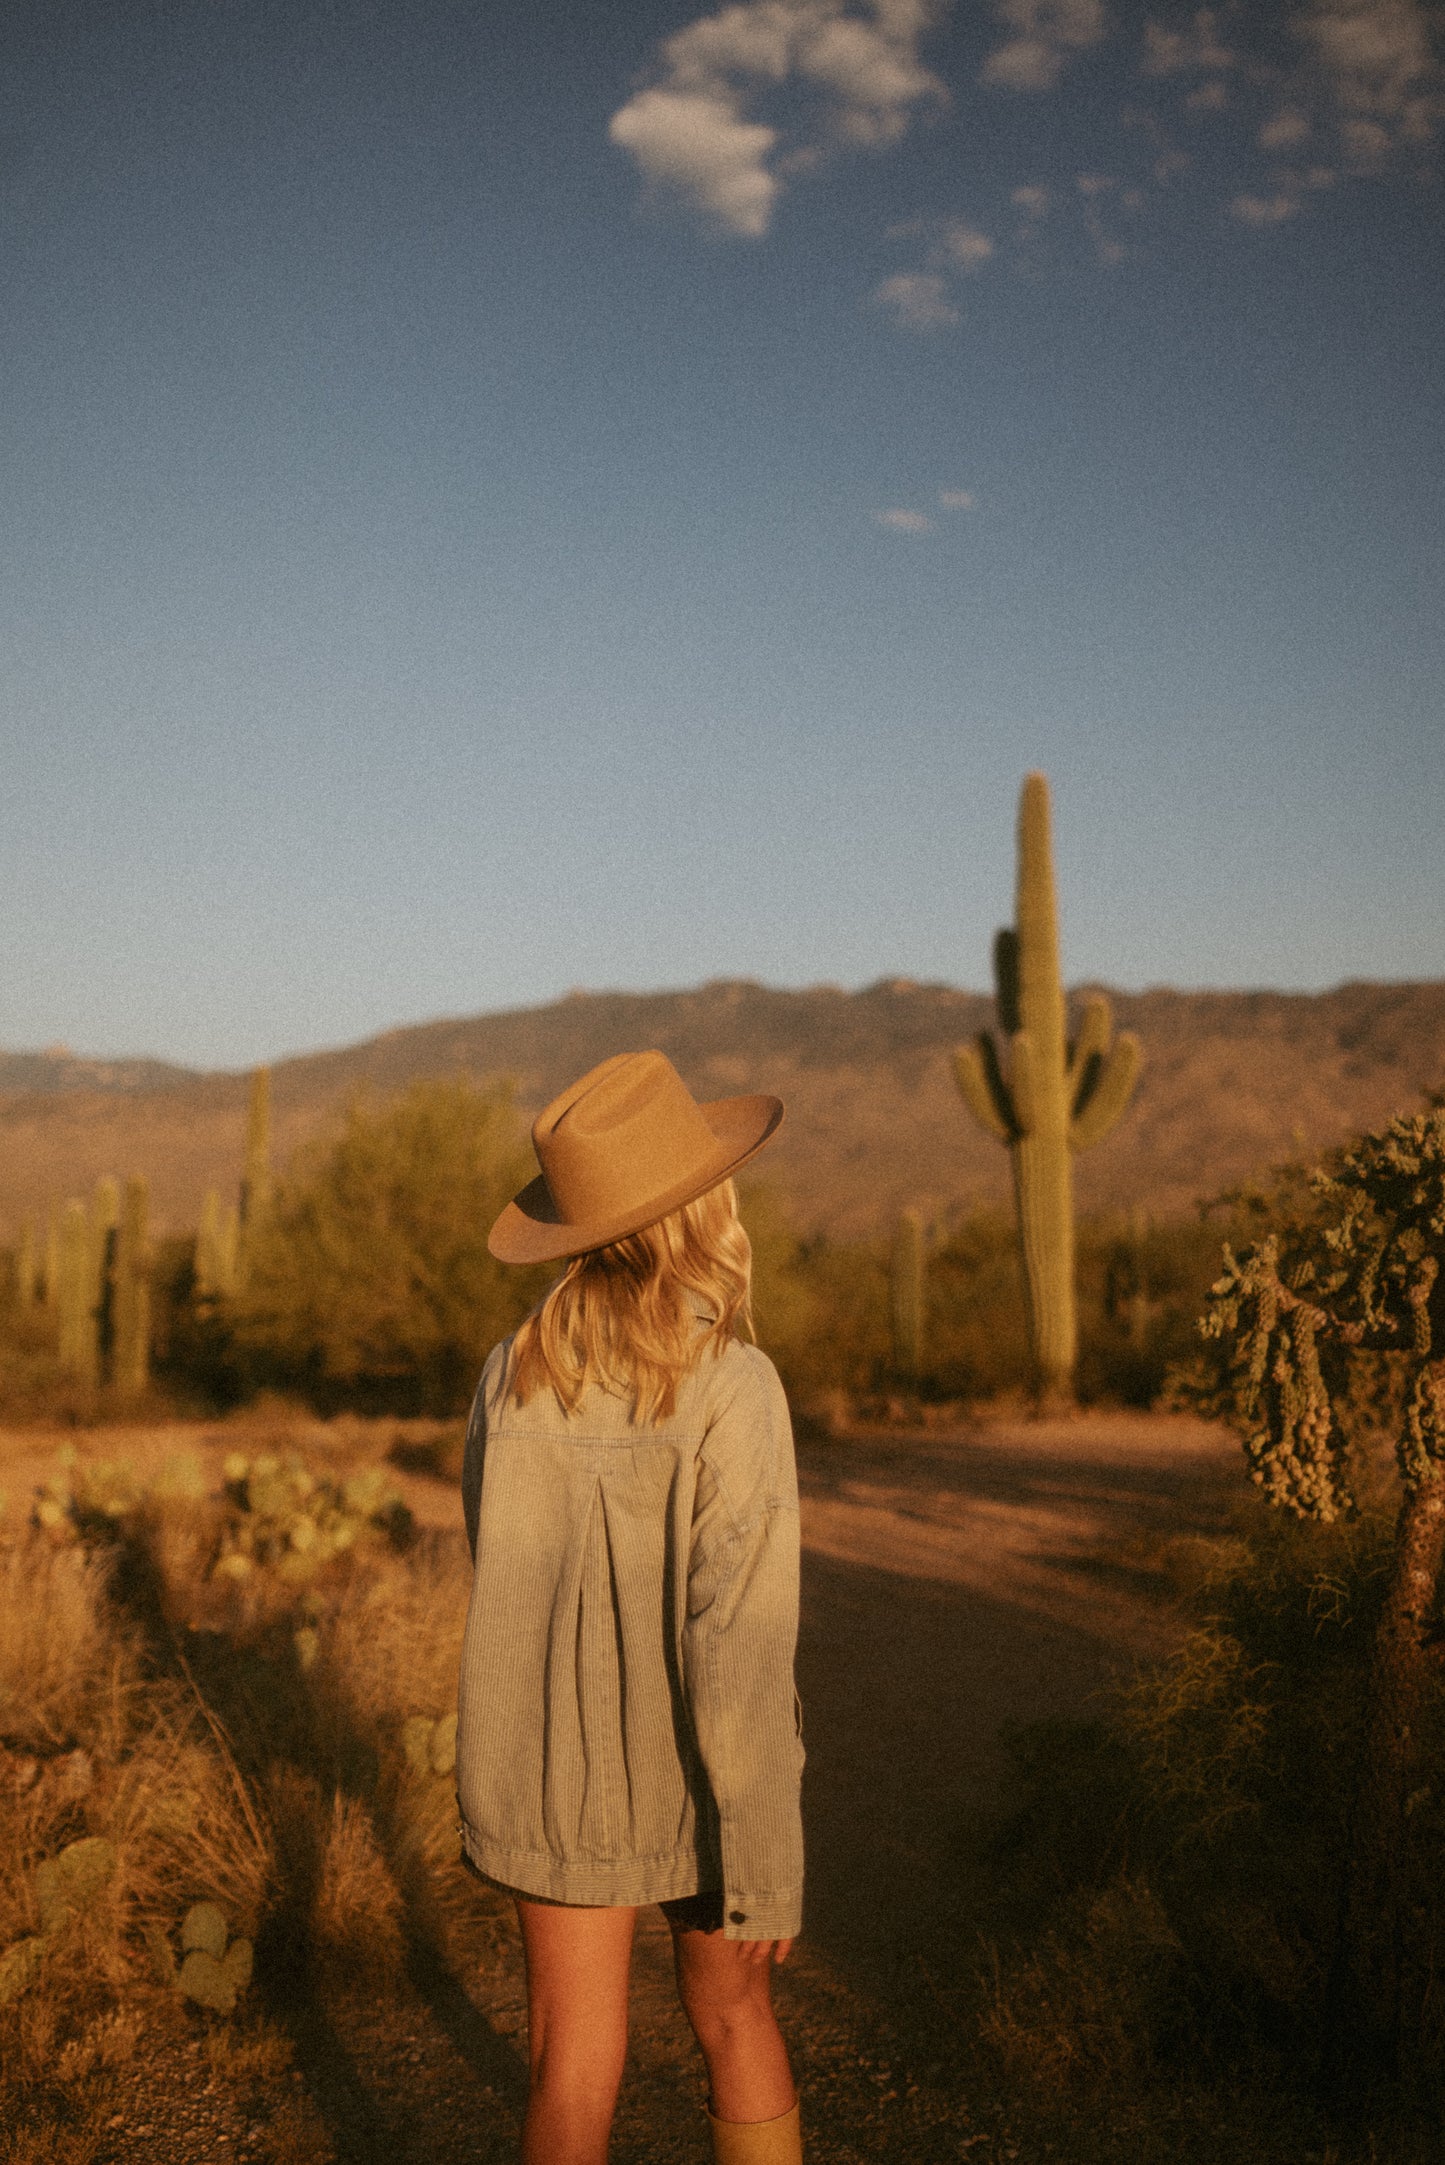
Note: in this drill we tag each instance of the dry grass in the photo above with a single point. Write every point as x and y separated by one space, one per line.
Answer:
233 1741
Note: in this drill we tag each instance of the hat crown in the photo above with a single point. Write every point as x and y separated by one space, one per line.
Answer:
626 1132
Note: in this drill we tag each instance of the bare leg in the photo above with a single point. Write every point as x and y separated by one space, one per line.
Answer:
577 1972
726 1988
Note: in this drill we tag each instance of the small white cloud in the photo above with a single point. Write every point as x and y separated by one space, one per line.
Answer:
1032 201
956 499
1092 184
693 129
918 299
1047 35
900 521
1263 210
964 246
1170 52
697 144
1283 130
1210 97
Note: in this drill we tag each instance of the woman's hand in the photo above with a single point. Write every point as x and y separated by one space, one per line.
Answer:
764 1950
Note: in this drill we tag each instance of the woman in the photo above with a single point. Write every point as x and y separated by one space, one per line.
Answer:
627 1728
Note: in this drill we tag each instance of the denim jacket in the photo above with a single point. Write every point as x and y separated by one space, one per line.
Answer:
628 1726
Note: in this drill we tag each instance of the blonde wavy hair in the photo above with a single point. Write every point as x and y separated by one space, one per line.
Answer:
621 1315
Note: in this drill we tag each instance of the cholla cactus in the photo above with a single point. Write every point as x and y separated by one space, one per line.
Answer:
1056 1097
909 1294
1294 1321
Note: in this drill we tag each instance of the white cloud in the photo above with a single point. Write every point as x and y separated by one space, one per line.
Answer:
1283 130
1264 210
699 145
905 522
1210 97
1047 34
1033 202
956 499
1091 184
1169 52
964 246
693 130
1379 62
918 299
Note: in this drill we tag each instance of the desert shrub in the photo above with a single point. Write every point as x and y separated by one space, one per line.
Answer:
1176 1870
370 1283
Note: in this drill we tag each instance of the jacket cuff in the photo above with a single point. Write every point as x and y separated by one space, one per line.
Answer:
762 1916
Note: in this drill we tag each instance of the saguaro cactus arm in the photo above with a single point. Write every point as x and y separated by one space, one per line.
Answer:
1100 1106
982 1087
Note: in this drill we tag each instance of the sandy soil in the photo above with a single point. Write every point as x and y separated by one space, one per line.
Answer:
953 1583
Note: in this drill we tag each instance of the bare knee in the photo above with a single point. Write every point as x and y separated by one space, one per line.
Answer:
723 1994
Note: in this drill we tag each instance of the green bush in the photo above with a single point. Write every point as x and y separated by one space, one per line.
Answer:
370 1283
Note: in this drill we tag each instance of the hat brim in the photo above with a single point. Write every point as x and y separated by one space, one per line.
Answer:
530 1231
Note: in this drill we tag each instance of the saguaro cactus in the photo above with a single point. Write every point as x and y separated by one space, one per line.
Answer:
256 1180
75 1295
909 1295
1056 1097
131 1294
217 1249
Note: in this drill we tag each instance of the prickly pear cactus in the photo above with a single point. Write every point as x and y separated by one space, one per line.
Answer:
19 1967
1056 1097
215 1970
281 1517
73 1880
908 1269
430 1745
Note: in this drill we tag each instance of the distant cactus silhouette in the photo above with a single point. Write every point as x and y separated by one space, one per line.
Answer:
909 1294
217 1249
1056 1097
256 1180
75 1295
131 1293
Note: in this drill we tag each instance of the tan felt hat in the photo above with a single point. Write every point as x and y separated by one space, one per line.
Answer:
619 1150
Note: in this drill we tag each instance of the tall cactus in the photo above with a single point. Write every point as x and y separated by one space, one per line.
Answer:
1057 1097
256 1180
217 1249
75 1291
104 1234
131 1294
909 1295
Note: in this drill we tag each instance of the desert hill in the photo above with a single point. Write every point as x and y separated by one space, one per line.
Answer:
1233 1081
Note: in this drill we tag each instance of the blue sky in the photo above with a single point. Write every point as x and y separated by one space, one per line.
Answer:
499 500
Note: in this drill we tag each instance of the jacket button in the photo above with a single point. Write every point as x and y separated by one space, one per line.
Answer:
737 1916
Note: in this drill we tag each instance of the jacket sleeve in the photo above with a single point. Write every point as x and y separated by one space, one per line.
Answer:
738 1647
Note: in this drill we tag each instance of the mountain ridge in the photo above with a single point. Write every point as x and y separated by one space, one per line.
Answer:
1233 1081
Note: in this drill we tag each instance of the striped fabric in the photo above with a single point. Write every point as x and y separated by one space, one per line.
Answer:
627 1725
